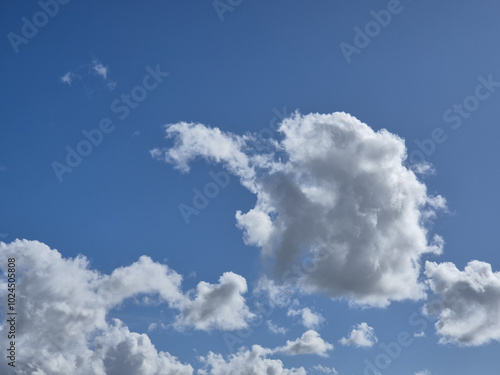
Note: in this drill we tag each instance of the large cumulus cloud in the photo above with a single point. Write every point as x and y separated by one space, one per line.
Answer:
333 190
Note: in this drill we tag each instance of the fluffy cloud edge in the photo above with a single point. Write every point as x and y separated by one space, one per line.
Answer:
360 336
468 304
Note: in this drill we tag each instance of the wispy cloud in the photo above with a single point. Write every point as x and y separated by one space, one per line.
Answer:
67 78
85 71
246 361
99 68
325 370
273 328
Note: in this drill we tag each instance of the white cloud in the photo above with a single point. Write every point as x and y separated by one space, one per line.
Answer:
469 307
255 361
325 370
63 325
423 372
309 343
219 306
361 336
86 70
99 68
278 294
192 140
67 78
333 190
309 319
246 362
424 168
143 276
259 224
119 351
156 325
273 328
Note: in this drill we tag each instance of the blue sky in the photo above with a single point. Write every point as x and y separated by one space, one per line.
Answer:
242 67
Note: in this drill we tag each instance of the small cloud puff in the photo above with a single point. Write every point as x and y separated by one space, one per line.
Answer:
67 78
246 362
361 336
85 71
99 68
309 343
